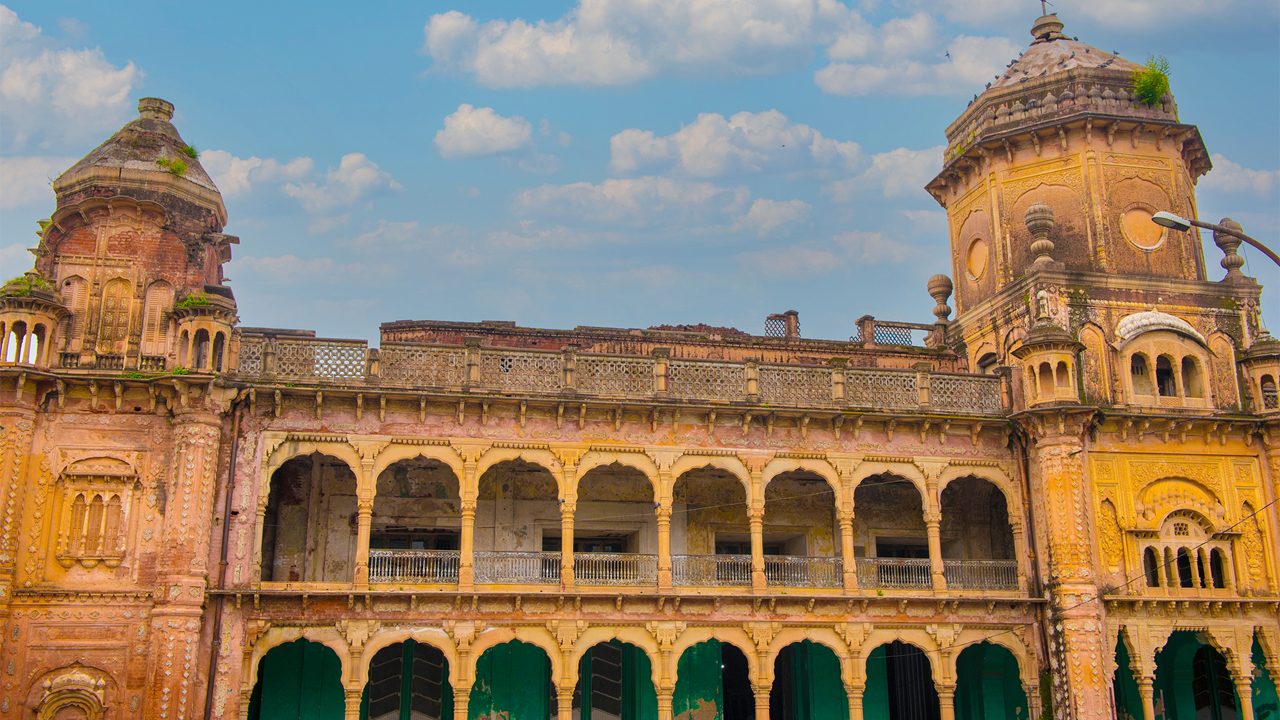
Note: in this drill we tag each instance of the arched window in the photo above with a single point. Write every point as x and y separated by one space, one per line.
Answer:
1165 381
75 295
1140 375
987 363
184 349
219 345
1062 378
34 345
1192 381
1217 568
1046 381
200 349
1270 395
13 348
1149 567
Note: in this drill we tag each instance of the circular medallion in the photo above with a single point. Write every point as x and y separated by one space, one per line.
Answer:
976 258
1138 229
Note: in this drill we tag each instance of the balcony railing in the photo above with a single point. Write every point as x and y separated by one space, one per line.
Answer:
547 373
981 574
795 571
502 566
413 566
711 570
591 568
894 573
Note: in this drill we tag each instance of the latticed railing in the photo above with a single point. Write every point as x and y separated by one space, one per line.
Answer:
522 371
423 365
505 566
252 350
413 566
882 389
591 568
706 380
795 386
981 574
329 359
614 376
894 573
796 571
711 570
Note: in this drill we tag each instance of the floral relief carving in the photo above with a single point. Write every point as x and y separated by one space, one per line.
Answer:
1110 539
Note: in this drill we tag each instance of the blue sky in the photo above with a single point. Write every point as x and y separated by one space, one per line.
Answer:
602 162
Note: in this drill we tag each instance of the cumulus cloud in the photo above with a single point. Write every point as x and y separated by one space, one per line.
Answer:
901 172
967 63
1231 177
235 176
616 42
714 146
52 96
641 202
356 179
847 248
471 131
768 216
26 180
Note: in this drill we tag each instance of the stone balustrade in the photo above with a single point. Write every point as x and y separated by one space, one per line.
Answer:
615 377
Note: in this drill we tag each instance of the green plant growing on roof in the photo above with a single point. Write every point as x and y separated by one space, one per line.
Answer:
193 300
175 166
190 151
179 370
1151 81
24 285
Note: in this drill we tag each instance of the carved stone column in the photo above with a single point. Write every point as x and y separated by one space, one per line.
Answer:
847 558
664 544
1020 553
567 510
947 702
756 517
1147 691
664 704
174 665
364 525
461 701
467 545
564 702
855 693
1060 497
933 526
762 702
352 699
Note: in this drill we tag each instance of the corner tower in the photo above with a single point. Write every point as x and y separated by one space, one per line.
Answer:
136 234
1063 127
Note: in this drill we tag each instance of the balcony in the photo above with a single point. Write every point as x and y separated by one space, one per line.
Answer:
894 573
508 567
616 377
413 566
803 572
981 574
711 570
598 568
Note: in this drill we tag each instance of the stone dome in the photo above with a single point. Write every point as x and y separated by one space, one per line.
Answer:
146 154
1053 52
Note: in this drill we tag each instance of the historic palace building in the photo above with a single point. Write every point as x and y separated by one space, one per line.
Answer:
1059 503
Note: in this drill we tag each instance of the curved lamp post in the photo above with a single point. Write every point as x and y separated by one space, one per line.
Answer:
1181 224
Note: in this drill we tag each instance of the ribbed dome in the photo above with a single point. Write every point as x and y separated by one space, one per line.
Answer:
147 153
1053 52
1138 323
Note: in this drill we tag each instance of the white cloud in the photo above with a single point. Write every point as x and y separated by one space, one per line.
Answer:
767 216
289 268
356 178
615 42
641 202
873 248
791 261
1232 177
236 176
901 172
471 131
51 96
714 146
14 259
967 63
26 180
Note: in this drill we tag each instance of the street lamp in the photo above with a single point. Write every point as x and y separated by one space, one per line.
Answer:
1167 219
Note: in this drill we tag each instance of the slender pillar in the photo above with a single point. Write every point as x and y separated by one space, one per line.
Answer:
762 702
756 516
564 703
461 698
467 545
933 526
847 559
855 693
947 702
1020 552
1160 578
1193 561
664 704
664 545
1244 691
1147 692
566 542
364 524
353 698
